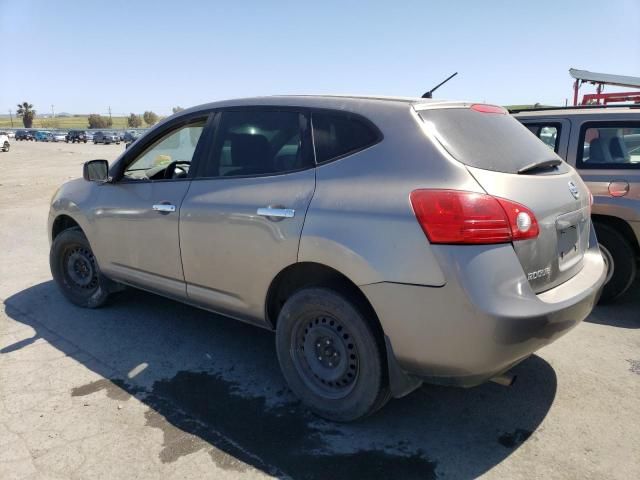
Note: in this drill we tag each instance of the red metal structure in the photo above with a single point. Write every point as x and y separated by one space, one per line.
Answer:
600 80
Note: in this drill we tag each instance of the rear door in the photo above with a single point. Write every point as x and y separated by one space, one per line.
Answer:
243 215
608 159
500 153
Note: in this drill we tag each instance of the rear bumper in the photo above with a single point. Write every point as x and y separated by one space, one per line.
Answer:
485 319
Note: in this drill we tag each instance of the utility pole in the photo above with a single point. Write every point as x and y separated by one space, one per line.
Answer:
53 117
11 117
110 120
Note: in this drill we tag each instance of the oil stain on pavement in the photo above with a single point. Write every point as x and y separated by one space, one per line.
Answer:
285 436
115 389
200 410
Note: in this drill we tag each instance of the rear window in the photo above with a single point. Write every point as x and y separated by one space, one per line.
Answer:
490 141
338 134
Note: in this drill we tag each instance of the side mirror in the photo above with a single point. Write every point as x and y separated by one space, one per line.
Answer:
96 171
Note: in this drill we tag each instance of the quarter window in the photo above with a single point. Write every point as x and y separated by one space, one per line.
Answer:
336 135
169 157
610 146
257 142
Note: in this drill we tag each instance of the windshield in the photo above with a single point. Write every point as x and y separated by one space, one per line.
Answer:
491 141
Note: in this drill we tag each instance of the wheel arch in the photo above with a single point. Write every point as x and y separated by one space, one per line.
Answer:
311 274
621 226
61 223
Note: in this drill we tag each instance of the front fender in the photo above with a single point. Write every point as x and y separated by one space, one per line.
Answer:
68 200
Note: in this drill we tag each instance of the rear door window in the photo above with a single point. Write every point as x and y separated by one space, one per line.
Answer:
491 141
609 145
258 142
336 135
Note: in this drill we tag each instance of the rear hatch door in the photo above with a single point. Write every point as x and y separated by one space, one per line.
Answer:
509 162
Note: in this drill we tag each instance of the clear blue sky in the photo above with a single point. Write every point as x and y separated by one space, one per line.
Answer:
140 55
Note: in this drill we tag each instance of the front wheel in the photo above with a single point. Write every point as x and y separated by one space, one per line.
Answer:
620 259
331 356
5 147
75 270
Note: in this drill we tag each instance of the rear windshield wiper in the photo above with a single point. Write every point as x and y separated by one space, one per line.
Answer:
543 165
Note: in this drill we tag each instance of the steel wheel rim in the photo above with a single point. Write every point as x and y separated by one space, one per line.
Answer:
608 261
80 268
326 356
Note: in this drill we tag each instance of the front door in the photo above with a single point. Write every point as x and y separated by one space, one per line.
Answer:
136 238
243 215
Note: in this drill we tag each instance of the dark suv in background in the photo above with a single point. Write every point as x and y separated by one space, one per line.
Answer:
603 144
77 136
24 135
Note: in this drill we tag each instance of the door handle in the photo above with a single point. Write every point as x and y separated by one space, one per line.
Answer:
164 208
274 212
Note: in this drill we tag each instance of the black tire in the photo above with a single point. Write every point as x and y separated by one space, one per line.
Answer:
85 141
331 356
76 271
6 147
620 259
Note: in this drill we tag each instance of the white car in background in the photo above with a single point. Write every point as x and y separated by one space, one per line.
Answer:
4 142
59 136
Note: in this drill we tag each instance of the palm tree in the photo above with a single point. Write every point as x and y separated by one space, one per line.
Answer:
26 111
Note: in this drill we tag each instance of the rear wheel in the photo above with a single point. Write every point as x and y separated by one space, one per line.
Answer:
331 356
5 147
76 271
620 258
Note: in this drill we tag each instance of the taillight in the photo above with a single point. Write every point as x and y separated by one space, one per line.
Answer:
458 217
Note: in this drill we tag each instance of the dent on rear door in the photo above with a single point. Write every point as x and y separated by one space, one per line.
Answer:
230 254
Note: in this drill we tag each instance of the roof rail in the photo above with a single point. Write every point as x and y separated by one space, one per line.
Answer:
572 107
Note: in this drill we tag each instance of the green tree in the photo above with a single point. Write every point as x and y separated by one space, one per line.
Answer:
26 111
150 118
177 109
98 121
134 121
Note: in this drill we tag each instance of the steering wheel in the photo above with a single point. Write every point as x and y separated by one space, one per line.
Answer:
171 169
